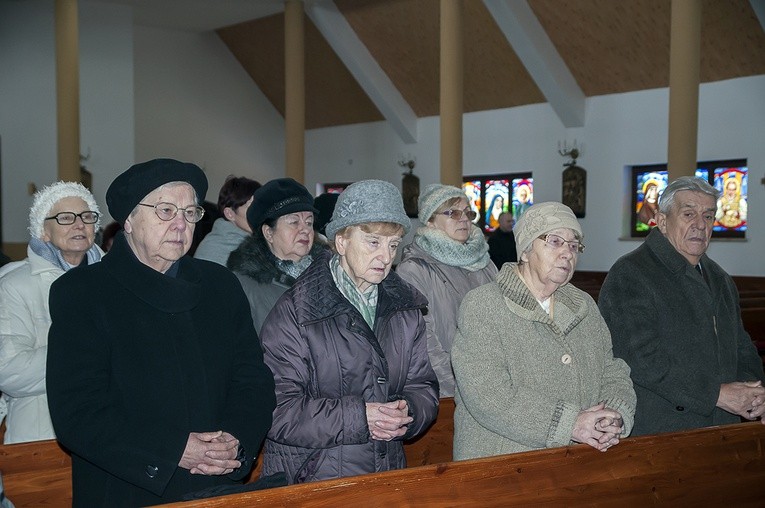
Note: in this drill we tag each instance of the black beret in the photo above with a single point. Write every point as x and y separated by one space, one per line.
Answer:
276 198
129 188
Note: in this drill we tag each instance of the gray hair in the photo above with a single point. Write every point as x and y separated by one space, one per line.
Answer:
46 198
685 183
168 185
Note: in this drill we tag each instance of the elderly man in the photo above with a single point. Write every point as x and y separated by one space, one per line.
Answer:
156 381
675 319
502 241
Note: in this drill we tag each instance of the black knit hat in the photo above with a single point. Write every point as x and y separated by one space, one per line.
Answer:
130 187
325 204
276 198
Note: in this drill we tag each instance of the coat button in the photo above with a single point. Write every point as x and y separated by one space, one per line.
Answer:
152 471
566 359
680 408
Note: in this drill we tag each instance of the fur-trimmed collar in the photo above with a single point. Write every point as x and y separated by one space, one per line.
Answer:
254 259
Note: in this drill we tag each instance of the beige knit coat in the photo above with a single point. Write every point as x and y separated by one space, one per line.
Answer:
522 377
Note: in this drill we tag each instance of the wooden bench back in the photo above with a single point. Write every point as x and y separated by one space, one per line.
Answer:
716 466
39 473
705 467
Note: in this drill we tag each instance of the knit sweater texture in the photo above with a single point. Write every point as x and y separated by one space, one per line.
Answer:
523 376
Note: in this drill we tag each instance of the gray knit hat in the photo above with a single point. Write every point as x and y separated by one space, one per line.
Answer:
368 201
542 218
434 196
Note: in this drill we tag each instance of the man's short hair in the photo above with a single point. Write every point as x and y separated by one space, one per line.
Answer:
689 183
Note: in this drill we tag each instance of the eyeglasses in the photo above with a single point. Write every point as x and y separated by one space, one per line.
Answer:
557 242
168 211
68 218
457 214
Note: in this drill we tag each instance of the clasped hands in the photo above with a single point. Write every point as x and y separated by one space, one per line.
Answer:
746 399
388 420
210 453
599 427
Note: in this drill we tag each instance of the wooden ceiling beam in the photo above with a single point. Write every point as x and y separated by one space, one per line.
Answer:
354 54
538 54
758 6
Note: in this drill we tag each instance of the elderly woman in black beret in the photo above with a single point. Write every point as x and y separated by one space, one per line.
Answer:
281 246
156 383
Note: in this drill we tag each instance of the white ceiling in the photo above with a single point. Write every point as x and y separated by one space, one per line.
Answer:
198 15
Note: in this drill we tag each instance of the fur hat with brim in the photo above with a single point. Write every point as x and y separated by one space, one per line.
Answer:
434 196
139 180
276 198
542 218
368 201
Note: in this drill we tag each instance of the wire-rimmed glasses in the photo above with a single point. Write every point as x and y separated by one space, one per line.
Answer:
68 218
458 214
168 211
557 242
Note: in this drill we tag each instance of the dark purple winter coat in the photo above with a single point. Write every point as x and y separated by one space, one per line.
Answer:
328 364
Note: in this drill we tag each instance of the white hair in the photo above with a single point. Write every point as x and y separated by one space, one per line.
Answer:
46 198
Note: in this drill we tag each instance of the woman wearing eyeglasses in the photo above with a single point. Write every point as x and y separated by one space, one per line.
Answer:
156 381
62 223
532 356
448 257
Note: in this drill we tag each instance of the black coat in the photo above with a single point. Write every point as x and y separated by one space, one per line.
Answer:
502 248
136 361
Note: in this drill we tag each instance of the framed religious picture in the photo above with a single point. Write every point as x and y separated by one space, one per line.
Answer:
574 193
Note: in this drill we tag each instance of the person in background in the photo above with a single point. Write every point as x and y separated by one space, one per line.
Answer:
280 248
447 258
532 356
231 228
108 235
62 224
675 319
502 241
325 205
348 350
158 387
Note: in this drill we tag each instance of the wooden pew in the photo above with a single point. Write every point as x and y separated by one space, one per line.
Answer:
716 466
36 474
39 473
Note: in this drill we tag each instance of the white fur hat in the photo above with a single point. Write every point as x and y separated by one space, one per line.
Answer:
48 196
